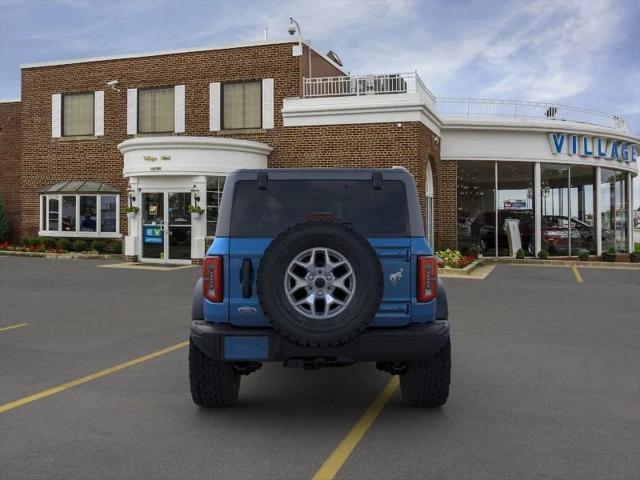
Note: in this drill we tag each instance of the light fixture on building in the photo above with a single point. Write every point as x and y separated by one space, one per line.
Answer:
132 197
196 194
294 28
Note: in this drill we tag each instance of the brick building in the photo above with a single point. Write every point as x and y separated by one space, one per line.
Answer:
158 133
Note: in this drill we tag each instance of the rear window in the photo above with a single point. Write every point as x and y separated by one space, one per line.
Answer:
284 203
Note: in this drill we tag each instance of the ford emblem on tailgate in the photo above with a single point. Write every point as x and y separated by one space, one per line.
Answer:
247 310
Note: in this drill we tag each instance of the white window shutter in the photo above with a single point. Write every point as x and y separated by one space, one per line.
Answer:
267 103
178 110
56 115
132 111
214 106
98 113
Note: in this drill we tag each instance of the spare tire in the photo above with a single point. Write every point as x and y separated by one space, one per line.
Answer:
320 283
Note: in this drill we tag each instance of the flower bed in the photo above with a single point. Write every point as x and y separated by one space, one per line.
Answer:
50 245
455 259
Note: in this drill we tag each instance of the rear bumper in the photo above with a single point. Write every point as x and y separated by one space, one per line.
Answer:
226 342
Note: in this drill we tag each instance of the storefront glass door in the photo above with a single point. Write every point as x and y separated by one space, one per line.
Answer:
166 227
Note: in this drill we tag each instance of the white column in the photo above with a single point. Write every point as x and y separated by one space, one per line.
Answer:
56 115
537 206
199 226
630 212
132 239
214 106
598 213
98 113
179 108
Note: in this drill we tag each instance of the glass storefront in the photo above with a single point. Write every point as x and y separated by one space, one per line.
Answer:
568 202
477 206
516 219
582 208
614 210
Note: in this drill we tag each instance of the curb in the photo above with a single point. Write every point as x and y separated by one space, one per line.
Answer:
63 256
564 263
461 272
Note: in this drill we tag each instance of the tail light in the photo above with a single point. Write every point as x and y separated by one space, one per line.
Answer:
427 278
212 284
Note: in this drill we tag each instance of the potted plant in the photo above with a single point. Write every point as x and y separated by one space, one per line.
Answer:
583 254
635 256
610 255
543 254
131 212
195 211
520 254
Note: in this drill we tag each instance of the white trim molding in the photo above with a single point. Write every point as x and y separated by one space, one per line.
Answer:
182 155
396 108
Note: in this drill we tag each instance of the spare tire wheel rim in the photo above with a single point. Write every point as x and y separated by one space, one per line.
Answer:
320 283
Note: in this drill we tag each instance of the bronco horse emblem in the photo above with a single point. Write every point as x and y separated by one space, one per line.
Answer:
394 277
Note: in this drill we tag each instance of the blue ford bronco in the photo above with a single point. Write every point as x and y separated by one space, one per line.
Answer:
320 268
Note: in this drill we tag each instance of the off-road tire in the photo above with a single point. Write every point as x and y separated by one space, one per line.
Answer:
426 384
344 326
213 383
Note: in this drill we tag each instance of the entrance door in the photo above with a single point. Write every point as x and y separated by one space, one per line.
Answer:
166 227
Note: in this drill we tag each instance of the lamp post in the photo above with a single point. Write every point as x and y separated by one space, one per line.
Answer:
293 28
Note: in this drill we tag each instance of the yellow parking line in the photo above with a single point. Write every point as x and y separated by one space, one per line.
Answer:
11 327
79 381
334 463
576 273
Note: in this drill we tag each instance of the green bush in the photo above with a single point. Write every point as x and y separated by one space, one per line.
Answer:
543 254
30 242
48 242
634 257
114 246
520 253
4 223
80 246
583 254
65 244
474 252
99 246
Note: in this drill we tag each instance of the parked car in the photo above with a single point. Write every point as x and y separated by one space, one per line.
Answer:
556 230
320 268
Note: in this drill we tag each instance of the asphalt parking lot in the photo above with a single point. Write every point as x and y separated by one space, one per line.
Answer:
545 384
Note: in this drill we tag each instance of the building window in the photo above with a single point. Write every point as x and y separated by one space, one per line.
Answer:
242 105
78 215
108 213
69 213
88 213
614 210
477 206
78 114
214 194
516 220
156 110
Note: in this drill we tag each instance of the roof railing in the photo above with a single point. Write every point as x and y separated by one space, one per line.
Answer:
402 83
371 84
477 107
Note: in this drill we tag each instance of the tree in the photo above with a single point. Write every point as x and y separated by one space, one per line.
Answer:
4 222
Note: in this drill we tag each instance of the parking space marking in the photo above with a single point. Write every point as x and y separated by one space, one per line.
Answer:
576 273
79 381
334 463
11 327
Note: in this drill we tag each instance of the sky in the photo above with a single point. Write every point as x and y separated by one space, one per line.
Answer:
577 52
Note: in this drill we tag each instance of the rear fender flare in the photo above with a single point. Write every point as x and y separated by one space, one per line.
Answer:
442 308
197 311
